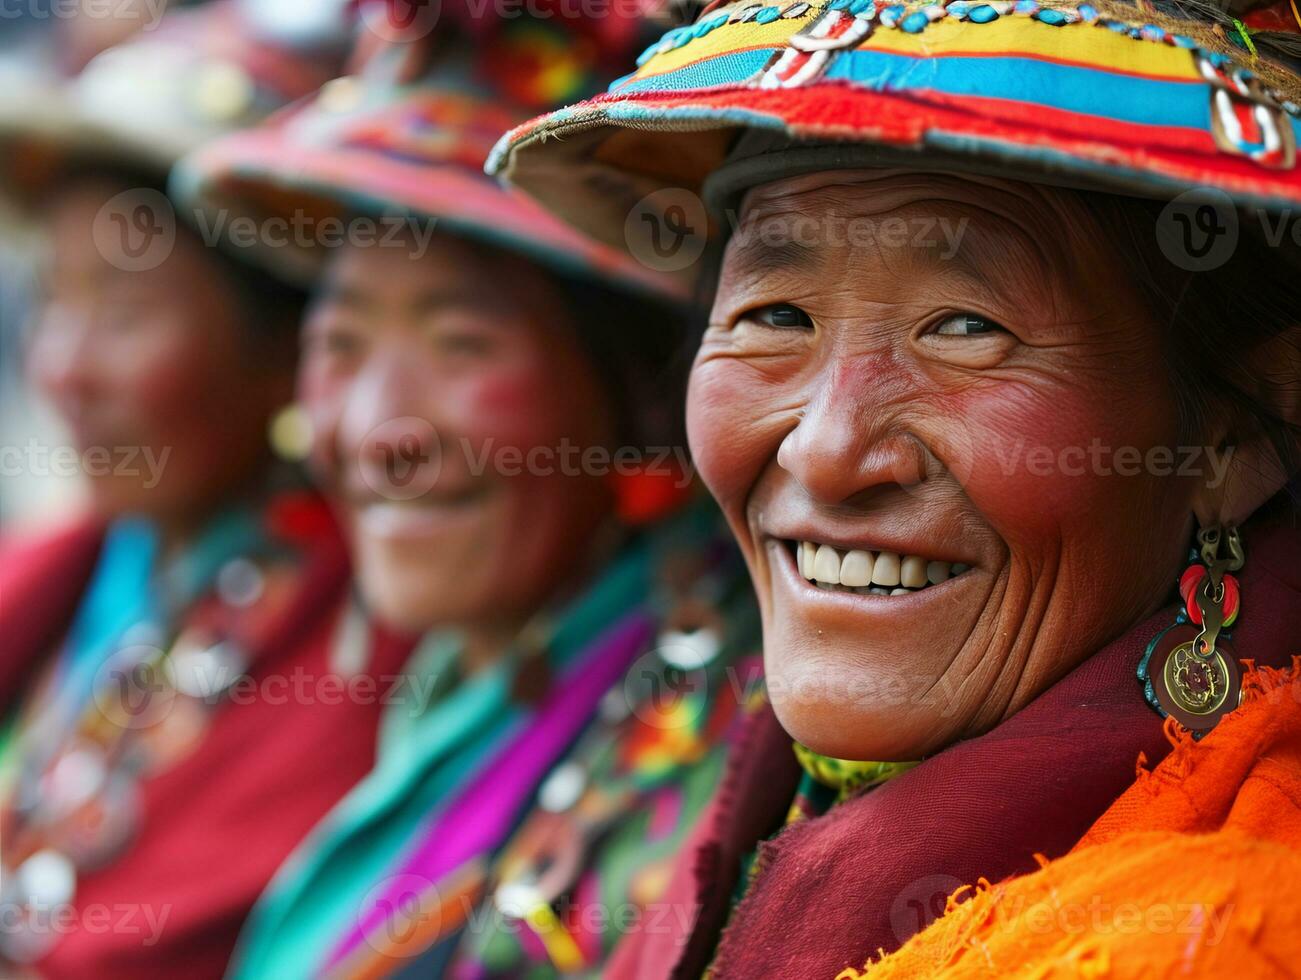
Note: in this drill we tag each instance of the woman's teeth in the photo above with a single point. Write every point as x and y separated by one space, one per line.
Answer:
870 572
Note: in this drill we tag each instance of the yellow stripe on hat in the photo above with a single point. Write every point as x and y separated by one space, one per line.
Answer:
1084 44
729 37
1016 36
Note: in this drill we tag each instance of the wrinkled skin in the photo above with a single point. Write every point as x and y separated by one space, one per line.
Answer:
154 362
428 380
826 405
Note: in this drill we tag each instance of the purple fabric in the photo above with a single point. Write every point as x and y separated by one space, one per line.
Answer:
478 821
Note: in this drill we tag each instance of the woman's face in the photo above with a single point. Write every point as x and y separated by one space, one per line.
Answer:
909 375
163 390
451 402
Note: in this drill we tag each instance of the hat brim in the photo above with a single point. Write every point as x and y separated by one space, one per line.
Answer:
261 175
40 127
1081 104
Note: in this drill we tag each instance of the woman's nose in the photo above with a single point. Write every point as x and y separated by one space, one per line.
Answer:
849 438
386 415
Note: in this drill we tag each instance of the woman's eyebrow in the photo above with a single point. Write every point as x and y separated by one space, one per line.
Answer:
342 294
756 257
439 298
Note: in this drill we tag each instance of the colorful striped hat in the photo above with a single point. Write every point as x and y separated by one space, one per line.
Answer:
407 134
1154 99
141 105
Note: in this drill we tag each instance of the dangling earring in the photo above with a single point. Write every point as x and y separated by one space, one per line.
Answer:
290 433
1189 671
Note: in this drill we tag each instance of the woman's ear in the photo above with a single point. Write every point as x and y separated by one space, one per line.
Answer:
1248 466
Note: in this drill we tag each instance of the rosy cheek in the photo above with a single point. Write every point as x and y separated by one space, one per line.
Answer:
516 406
164 379
724 400
1028 469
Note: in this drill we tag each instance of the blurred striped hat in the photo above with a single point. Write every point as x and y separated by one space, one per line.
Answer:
407 132
196 74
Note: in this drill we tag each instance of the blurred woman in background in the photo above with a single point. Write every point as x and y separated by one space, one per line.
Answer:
145 729
488 396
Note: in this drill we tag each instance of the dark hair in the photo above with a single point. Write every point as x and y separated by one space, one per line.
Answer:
1218 319
638 345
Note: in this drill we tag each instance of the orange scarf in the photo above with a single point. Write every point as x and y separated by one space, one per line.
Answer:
1194 872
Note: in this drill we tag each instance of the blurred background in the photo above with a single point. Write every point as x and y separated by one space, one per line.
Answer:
43 42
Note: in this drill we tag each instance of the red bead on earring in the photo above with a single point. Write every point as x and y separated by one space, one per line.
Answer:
1189 671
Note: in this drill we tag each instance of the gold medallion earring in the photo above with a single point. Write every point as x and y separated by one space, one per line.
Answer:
1189 671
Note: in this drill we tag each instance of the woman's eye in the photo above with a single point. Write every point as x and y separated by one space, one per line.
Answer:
333 341
967 325
465 344
782 316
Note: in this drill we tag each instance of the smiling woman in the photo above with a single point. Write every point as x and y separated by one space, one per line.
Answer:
986 587
478 395
875 418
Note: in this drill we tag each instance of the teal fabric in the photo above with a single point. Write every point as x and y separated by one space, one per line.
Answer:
423 758
130 587
120 595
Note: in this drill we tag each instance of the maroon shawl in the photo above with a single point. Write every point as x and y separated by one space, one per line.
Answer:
873 870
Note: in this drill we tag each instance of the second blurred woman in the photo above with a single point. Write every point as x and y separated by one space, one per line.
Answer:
511 494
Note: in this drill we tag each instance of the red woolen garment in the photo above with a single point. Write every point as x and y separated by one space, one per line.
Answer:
871 872
216 825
